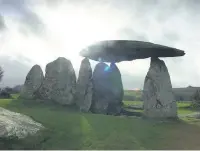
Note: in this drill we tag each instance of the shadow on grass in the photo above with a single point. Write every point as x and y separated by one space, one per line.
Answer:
62 125
132 133
69 129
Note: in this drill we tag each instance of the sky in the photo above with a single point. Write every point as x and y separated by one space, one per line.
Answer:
40 31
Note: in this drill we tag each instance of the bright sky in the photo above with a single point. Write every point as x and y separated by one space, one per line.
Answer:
42 30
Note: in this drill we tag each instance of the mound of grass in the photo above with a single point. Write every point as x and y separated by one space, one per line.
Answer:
69 129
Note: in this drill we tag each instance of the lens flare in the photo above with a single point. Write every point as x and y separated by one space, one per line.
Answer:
107 69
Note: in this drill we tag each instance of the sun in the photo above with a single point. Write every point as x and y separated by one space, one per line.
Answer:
69 30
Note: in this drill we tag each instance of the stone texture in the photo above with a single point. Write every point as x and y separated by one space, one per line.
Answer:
59 83
108 89
33 81
116 89
84 87
127 50
17 125
157 92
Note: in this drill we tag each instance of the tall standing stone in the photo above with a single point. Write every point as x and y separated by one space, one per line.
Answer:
116 89
59 83
84 87
157 92
108 89
33 81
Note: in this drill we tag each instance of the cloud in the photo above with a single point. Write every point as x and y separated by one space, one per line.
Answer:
2 24
42 30
20 12
15 70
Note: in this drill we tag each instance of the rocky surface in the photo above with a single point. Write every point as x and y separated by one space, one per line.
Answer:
157 92
33 81
17 125
59 83
108 89
84 87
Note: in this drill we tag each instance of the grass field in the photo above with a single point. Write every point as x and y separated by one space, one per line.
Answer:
69 129
133 93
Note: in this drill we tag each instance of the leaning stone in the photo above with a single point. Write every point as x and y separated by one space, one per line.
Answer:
33 81
158 97
14 124
84 87
59 82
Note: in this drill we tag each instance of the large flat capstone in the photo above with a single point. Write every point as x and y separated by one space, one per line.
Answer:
59 83
33 81
127 50
158 97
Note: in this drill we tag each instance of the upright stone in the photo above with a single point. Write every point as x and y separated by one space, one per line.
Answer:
59 83
158 97
33 81
108 89
84 87
116 89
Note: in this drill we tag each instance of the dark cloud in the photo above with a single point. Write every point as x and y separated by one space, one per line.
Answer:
22 13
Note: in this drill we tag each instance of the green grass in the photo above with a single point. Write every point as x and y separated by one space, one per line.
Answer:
128 103
69 129
133 93
183 107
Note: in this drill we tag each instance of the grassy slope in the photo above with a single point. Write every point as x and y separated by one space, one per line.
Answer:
69 129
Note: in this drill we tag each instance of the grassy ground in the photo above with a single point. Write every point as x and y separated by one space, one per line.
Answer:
183 107
133 93
69 129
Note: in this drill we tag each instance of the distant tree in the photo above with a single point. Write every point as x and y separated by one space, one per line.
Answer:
181 98
8 89
196 99
1 74
196 95
16 89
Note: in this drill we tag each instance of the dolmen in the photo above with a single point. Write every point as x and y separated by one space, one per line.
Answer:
159 101
101 91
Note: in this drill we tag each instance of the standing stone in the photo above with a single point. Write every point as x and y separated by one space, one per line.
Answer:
157 92
84 87
33 81
108 89
59 83
116 89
